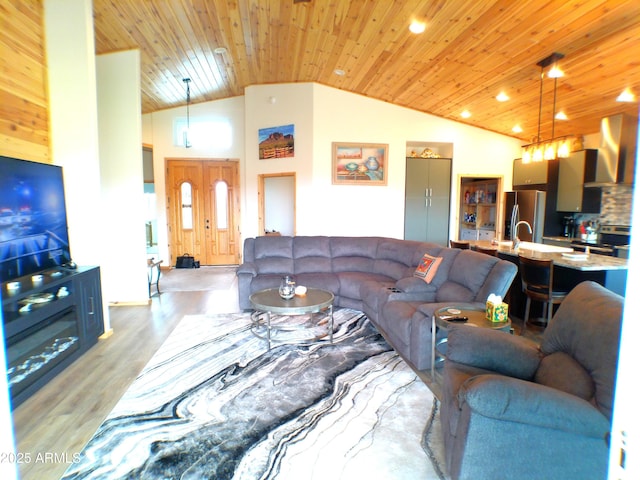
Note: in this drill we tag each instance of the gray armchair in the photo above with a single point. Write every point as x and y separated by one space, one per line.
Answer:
513 409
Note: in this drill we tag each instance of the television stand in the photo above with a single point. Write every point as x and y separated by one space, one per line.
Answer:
49 320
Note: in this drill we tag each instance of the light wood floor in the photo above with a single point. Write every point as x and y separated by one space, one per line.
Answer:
61 417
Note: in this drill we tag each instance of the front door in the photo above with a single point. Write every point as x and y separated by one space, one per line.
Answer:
203 210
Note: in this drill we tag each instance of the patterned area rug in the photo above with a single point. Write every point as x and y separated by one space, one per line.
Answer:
215 402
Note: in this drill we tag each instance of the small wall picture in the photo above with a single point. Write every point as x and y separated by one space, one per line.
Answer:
276 142
359 163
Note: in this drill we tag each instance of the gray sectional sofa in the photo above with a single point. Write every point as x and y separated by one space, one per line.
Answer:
376 275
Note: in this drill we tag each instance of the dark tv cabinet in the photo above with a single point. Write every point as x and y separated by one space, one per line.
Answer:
63 321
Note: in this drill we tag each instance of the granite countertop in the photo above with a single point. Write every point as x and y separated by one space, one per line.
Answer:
593 262
560 239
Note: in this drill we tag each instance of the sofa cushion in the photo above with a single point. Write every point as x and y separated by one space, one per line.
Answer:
395 258
264 281
269 247
374 294
414 285
312 255
353 255
493 350
471 269
273 255
311 247
448 256
350 282
454 292
562 372
396 322
274 265
427 268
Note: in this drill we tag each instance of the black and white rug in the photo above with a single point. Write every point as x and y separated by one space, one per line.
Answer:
215 403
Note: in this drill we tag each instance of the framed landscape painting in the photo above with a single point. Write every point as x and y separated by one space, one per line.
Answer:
359 163
276 142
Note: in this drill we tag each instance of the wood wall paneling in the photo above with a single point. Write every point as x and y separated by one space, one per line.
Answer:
24 111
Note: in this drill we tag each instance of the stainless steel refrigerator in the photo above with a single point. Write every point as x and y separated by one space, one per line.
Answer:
527 205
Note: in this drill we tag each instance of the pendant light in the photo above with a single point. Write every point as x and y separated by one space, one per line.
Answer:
185 133
553 147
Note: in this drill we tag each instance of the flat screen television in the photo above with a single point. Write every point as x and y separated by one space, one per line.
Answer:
33 218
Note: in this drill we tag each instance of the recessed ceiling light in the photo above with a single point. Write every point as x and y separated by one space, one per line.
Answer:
626 96
417 27
502 97
516 129
220 50
338 71
561 116
465 114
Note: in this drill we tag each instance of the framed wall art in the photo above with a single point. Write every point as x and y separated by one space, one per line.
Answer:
359 163
276 142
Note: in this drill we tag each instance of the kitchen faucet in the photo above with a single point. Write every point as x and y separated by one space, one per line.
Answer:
516 240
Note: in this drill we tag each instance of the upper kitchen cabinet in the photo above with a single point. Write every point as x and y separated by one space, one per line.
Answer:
528 174
576 170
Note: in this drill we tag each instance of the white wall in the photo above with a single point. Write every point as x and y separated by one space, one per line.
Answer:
157 130
323 115
123 241
73 119
292 104
376 210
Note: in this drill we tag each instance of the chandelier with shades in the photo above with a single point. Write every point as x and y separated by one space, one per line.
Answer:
554 147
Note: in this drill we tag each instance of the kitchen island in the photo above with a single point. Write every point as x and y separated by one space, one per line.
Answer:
610 272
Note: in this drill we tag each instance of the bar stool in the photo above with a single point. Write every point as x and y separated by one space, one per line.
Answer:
537 285
488 250
461 245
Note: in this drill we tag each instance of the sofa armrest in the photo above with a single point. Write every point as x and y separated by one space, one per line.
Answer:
493 350
520 401
247 268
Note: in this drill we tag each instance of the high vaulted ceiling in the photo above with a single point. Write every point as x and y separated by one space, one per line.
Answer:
470 51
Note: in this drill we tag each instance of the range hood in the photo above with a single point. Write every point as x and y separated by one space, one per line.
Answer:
617 151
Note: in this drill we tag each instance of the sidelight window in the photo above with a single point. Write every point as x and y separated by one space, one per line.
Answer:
222 203
187 206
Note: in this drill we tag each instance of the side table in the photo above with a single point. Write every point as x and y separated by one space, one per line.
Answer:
153 274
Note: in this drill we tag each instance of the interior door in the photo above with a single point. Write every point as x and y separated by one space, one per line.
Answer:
203 210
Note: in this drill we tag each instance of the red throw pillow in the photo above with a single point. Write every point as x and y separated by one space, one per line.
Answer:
428 267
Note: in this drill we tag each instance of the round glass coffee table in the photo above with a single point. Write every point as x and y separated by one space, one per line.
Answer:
267 303
443 318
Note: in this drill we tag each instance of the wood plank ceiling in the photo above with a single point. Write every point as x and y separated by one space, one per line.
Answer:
470 51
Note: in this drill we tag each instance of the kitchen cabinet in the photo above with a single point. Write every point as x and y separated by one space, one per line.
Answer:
532 173
427 199
478 208
574 172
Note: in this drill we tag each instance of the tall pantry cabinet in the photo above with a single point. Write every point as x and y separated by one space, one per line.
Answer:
427 199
